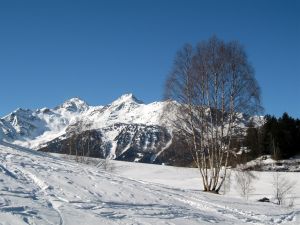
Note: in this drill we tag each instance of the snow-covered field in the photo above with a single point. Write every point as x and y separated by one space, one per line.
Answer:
37 188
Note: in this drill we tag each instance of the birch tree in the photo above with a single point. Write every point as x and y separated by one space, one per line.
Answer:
282 188
208 89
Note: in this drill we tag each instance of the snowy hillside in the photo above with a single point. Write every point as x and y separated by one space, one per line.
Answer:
36 188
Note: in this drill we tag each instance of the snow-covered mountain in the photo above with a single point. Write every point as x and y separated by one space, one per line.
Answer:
126 129
33 128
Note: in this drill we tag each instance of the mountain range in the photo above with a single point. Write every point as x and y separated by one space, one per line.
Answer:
127 129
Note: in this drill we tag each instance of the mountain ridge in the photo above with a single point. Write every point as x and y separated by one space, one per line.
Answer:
36 128
126 129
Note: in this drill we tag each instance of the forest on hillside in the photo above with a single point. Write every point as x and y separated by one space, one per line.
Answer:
279 137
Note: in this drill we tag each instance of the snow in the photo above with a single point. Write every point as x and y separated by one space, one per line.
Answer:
38 188
266 163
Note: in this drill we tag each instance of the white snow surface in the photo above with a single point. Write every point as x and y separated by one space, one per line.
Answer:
38 188
266 163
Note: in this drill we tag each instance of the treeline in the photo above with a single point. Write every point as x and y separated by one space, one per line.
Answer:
279 137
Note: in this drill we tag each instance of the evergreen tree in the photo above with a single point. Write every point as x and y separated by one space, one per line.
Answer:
281 137
253 141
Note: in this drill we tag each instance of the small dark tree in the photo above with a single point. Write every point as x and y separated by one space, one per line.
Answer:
287 135
253 141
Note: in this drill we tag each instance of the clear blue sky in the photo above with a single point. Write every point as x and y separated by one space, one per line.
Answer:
52 50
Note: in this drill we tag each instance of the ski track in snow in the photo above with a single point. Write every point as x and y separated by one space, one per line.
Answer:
240 215
40 189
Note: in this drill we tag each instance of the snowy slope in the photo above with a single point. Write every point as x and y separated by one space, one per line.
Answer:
36 188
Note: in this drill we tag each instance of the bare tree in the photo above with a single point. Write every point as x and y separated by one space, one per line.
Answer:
106 165
227 183
282 188
87 143
208 90
77 141
244 182
71 144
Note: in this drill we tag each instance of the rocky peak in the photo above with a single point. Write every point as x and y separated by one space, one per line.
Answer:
74 105
126 98
18 114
